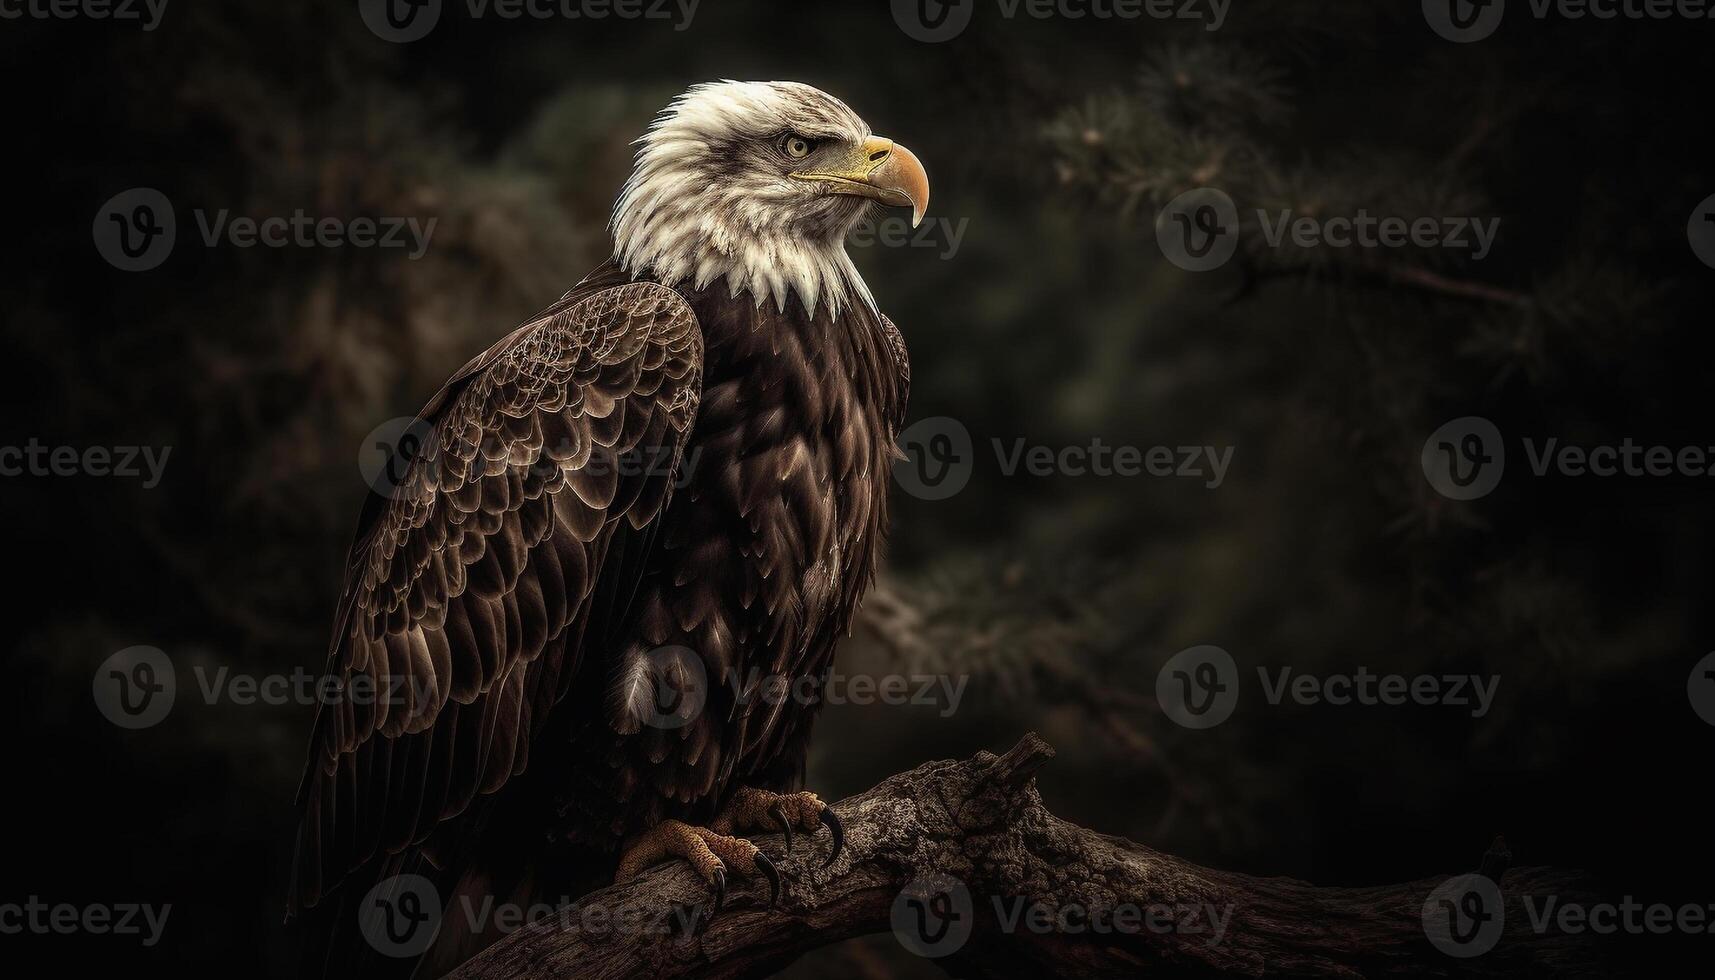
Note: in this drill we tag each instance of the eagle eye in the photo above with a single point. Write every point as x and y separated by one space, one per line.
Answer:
795 146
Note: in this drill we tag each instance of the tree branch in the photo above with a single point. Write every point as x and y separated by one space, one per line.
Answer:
982 822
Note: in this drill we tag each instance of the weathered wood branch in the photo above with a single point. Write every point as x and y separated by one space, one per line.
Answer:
1029 875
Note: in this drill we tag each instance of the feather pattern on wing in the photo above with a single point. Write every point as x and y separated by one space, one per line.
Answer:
469 589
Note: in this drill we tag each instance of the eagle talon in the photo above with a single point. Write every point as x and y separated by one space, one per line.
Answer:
784 813
778 812
831 820
772 873
710 852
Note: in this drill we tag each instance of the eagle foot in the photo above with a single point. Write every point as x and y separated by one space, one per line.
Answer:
758 809
710 855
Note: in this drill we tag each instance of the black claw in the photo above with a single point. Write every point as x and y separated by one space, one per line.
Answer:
772 873
778 812
832 822
720 894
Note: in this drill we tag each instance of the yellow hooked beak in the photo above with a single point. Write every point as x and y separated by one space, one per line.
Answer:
880 170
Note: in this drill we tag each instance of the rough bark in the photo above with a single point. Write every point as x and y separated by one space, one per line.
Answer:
982 822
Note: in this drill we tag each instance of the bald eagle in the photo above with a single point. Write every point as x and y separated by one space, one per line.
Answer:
667 489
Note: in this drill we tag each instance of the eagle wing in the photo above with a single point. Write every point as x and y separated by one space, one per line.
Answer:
470 587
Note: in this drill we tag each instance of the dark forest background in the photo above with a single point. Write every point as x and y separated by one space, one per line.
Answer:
1056 320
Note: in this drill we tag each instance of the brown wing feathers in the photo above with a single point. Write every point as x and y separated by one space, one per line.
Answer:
469 588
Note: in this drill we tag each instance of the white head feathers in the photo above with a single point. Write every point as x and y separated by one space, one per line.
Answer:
710 197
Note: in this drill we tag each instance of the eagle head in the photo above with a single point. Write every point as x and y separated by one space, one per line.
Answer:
759 183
